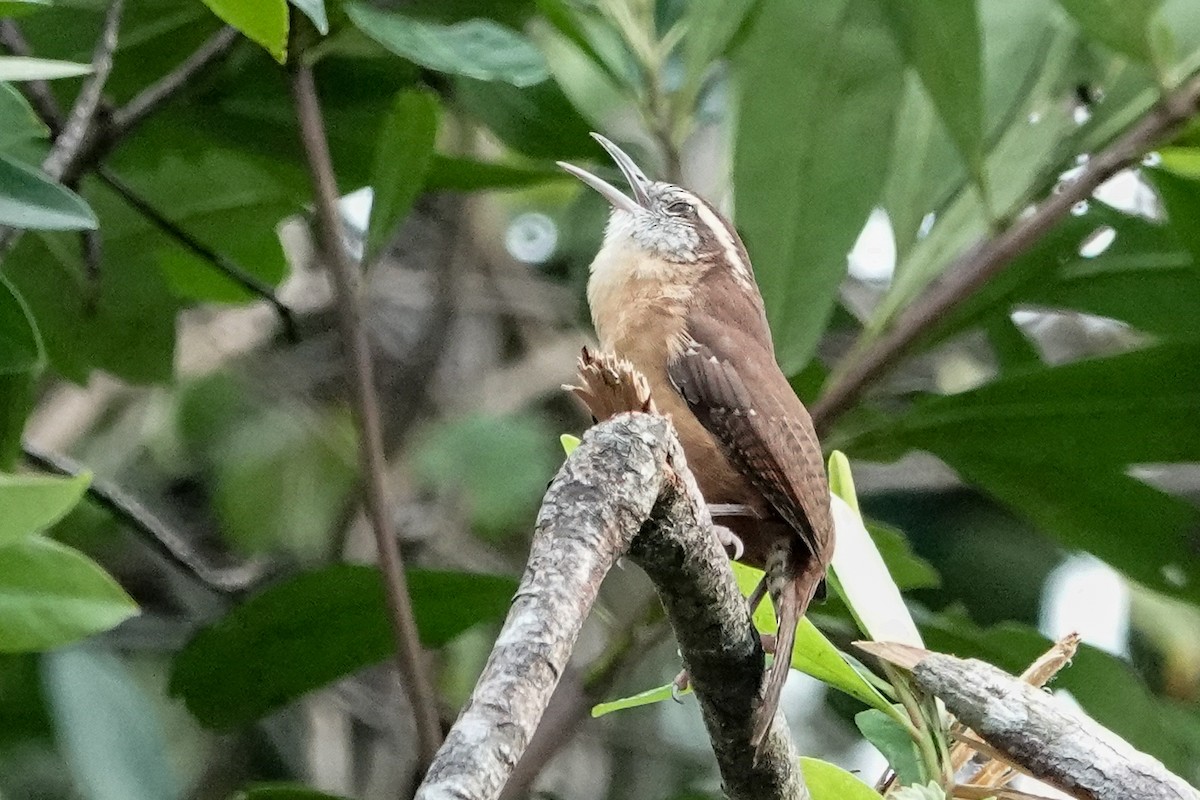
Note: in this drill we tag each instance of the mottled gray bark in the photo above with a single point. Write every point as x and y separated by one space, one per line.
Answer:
1048 739
625 490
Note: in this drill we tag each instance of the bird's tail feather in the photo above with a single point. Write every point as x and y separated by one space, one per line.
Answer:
791 593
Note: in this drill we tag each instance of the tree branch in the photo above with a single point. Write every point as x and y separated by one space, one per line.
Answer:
223 264
152 530
1035 731
625 490
70 141
157 94
970 271
71 136
365 407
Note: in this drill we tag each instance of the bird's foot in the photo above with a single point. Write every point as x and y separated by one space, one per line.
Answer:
682 682
728 539
679 685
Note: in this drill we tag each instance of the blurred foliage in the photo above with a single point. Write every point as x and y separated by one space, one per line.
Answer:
952 119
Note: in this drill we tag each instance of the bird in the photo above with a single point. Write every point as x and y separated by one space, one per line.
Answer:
672 291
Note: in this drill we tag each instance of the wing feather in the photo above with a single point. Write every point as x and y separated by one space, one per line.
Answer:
767 436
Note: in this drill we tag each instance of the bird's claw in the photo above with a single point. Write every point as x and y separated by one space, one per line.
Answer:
728 539
680 684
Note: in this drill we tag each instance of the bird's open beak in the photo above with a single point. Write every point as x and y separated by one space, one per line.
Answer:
637 179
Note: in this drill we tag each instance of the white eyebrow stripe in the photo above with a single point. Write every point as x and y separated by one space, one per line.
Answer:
720 231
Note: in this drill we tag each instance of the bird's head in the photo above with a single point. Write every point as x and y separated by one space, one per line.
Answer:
661 219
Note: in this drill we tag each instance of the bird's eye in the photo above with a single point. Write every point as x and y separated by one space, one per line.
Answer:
679 208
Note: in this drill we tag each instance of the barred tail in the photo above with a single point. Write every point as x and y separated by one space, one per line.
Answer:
792 588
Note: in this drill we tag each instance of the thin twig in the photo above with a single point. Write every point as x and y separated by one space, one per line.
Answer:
72 135
970 271
152 530
69 143
365 407
157 94
1034 731
223 264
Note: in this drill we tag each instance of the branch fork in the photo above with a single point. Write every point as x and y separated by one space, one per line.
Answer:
625 491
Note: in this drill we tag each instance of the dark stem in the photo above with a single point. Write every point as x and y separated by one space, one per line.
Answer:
152 530
70 136
70 141
970 271
223 264
365 407
153 97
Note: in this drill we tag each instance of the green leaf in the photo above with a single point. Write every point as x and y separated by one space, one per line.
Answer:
803 198
1123 25
1134 407
1181 200
315 11
1145 277
1183 161
892 739
305 462
207 196
18 122
403 157
648 697
107 727
122 320
29 199
16 401
30 503
1054 444
301 634
457 174
15 8
21 68
812 654
858 572
20 346
284 791
928 791
502 463
1031 61
830 782
264 22
51 595
907 569
517 115
477 48
575 25
941 42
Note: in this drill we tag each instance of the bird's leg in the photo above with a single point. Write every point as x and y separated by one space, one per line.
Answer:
725 536
728 539
718 510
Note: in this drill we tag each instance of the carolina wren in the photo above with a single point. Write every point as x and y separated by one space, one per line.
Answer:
672 291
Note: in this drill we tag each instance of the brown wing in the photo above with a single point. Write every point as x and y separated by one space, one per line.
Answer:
762 427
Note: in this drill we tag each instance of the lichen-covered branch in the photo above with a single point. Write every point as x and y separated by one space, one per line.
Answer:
625 490
1037 732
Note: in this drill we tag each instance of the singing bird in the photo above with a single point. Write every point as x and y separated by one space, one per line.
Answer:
672 291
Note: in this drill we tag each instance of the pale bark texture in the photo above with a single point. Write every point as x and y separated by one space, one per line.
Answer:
1045 737
625 490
